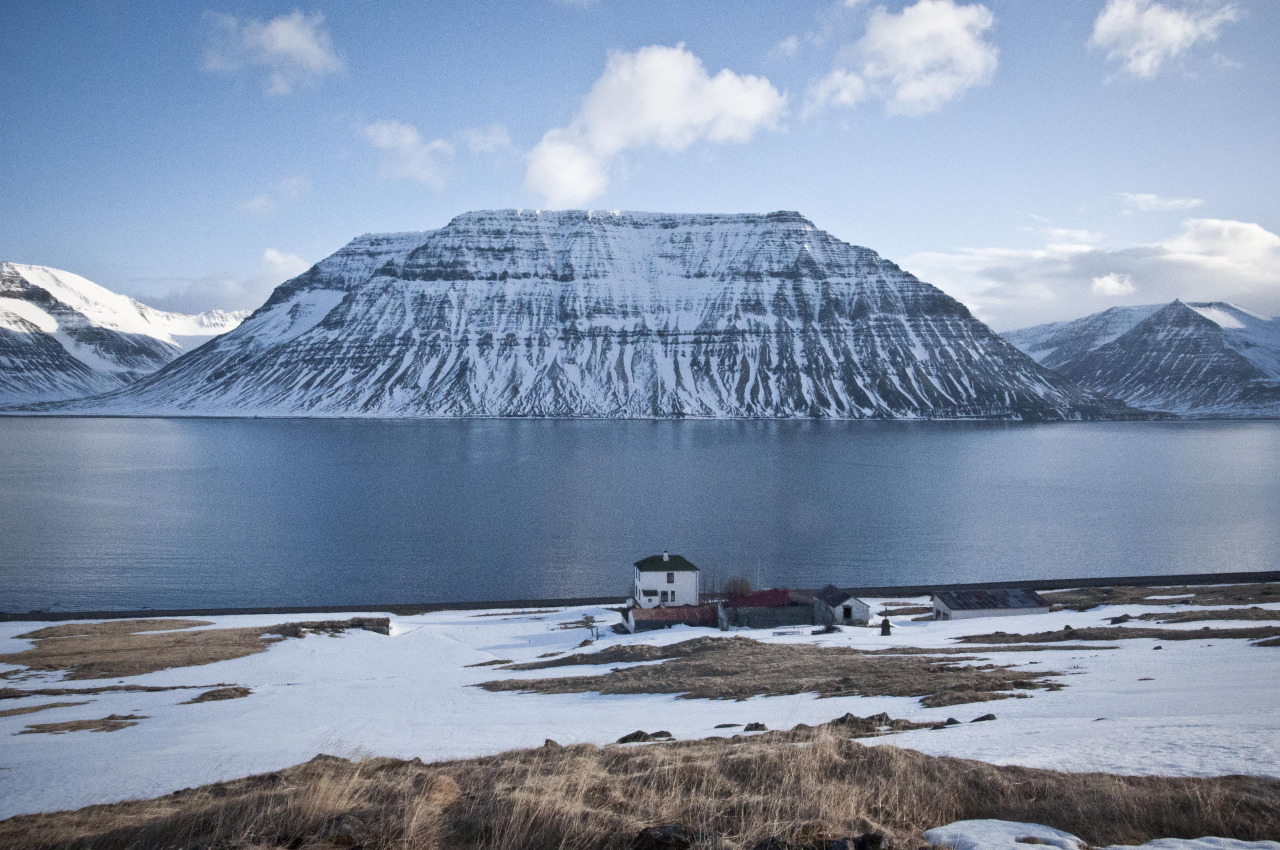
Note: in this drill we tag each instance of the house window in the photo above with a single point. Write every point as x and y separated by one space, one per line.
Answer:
671 578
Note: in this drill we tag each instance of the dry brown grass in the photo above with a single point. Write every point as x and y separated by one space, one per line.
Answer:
121 648
518 613
32 709
219 694
1084 598
732 792
739 668
1213 614
1256 633
906 611
19 693
110 723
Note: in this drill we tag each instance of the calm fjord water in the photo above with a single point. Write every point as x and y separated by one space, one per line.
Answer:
130 513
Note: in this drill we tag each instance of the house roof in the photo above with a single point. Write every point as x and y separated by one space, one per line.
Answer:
674 564
982 600
833 596
778 597
675 614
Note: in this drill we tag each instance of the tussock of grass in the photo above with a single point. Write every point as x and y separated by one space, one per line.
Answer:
733 792
219 694
110 723
1256 633
1084 598
121 648
739 668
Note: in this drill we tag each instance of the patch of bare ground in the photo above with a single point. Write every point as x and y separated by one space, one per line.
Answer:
110 723
906 611
1255 633
490 663
19 693
218 694
730 793
740 668
1084 598
1213 614
518 613
32 709
121 648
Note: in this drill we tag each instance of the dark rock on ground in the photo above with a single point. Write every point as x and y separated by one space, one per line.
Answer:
982 718
755 727
345 830
728 725
670 836
637 737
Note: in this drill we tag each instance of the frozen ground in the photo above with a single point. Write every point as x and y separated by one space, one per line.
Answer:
1197 707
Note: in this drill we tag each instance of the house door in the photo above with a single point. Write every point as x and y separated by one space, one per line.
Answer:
847 611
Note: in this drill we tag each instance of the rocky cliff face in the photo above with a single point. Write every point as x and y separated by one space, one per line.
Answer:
62 336
589 314
1193 359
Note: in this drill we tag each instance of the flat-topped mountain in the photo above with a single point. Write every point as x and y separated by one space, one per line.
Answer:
608 314
62 336
1193 359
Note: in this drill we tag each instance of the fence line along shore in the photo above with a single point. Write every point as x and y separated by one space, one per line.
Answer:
406 609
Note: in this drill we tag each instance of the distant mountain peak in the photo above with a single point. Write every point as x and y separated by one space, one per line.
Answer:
1197 358
63 336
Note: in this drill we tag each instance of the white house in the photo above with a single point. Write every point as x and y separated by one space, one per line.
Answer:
997 602
665 579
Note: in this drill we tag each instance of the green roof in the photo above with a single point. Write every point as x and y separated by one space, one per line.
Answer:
674 564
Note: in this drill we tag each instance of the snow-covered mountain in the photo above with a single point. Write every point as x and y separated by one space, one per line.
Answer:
62 336
1193 359
534 313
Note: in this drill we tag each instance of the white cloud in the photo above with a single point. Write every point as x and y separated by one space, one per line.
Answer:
786 48
1143 35
1208 260
280 194
658 97
406 155
489 139
1113 285
1154 203
839 88
291 48
917 60
245 292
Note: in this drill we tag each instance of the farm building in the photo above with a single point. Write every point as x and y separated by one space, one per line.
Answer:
646 619
833 605
665 579
999 602
767 609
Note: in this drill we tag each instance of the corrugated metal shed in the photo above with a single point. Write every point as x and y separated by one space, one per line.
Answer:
987 600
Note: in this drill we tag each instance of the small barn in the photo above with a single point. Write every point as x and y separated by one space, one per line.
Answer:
665 579
997 602
648 619
767 609
831 605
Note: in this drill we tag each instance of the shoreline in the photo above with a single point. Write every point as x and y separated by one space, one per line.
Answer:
406 609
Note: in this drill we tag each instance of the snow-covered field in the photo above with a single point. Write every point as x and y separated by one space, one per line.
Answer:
1196 707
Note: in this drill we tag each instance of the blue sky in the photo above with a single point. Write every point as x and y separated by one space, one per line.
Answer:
1037 160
